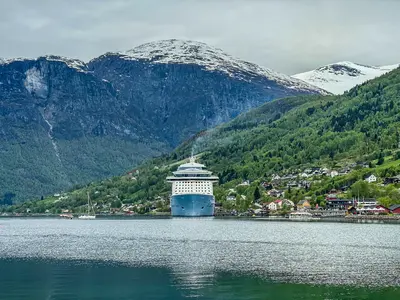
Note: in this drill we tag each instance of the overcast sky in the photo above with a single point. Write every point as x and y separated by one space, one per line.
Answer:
289 36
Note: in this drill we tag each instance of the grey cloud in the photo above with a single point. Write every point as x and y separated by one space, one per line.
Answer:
286 35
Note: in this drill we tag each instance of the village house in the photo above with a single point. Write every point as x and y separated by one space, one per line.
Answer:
366 202
371 178
275 193
292 184
362 164
267 185
244 183
305 184
230 198
337 203
395 209
288 204
392 180
344 171
303 205
272 206
278 203
378 209
275 177
333 173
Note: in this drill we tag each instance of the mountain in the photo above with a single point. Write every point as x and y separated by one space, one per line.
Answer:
342 76
61 125
178 88
280 137
64 122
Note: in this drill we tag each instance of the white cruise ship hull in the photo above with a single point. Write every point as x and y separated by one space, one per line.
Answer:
192 205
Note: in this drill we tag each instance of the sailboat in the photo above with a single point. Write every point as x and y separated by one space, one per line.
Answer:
90 215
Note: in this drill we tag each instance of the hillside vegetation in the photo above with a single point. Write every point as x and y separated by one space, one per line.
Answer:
280 137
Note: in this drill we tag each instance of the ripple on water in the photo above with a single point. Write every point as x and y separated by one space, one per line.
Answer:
195 249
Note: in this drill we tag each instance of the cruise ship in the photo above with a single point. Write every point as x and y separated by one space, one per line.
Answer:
192 190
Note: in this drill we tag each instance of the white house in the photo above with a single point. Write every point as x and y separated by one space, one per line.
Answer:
276 177
244 183
288 203
304 175
230 198
272 206
371 178
334 173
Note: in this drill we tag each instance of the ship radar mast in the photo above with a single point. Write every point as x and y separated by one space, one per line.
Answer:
192 159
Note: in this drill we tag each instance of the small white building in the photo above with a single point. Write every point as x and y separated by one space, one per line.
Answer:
244 183
230 198
272 206
334 173
287 202
371 178
275 177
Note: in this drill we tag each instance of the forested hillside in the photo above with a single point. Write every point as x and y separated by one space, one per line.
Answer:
279 137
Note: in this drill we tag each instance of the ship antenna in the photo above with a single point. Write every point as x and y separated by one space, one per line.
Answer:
192 159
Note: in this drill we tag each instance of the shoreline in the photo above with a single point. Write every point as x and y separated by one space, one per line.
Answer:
381 219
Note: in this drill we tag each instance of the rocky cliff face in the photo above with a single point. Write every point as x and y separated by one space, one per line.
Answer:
63 122
61 125
178 88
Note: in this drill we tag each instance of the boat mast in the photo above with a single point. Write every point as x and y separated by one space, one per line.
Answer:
88 203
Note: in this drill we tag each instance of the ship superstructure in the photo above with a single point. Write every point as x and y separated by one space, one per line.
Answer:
192 190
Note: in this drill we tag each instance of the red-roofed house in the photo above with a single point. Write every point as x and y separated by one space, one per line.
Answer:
395 209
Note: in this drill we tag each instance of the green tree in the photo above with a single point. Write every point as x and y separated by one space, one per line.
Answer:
360 189
256 194
116 204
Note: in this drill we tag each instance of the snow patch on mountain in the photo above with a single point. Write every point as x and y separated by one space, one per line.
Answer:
35 82
212 59
5 61
70 62
342 76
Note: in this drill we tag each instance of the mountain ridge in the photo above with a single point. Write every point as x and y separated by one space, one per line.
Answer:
212 58
342 76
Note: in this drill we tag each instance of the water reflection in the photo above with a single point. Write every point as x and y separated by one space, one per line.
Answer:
200 258
53 279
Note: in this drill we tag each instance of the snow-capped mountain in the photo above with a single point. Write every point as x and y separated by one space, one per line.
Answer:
180 87
212 59
342 76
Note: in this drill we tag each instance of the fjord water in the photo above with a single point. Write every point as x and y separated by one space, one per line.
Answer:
197 258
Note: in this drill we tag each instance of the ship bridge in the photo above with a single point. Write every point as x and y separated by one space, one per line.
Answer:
192 171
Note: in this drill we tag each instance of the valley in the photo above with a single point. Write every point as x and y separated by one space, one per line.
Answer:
350 136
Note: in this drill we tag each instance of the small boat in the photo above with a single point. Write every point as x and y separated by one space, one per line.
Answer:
302 215
90 213
66 216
